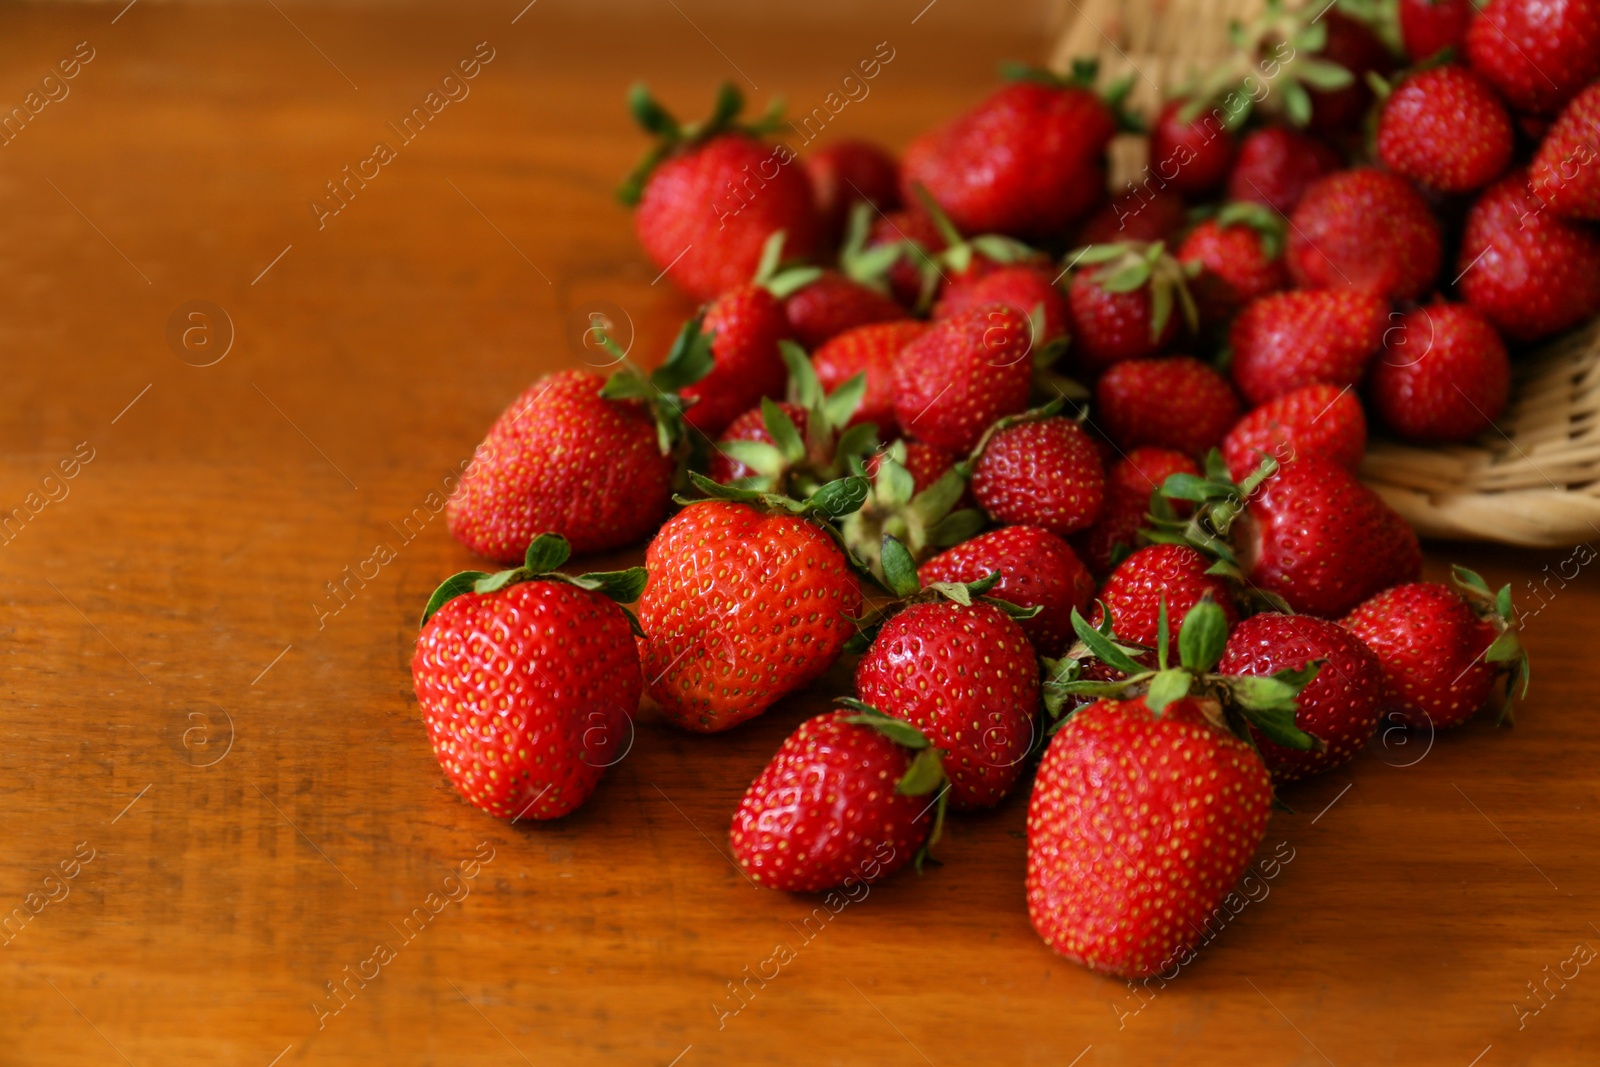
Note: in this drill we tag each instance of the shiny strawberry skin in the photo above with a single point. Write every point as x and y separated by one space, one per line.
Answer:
1137 829
1339 706
1426 26
875 350
1021 287
833 304
1037 569
963 374
1109 327
528 695
1045 472
1028 161
1134 591
1276 165
1323 541
1364 229
1234 269
1445 375
848 172
1177 402
1129 483
967 678
751 426
746 325
1145 215
824 811
1538 53
1565 173
562 459
1314 420
1286 340
1430 644
1444 128
742 608
1531 273
690 209
1192 157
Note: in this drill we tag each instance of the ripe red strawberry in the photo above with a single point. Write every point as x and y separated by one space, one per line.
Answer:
1441 654
1037 569
915 240
1121 874
1040 472
966 677
1129 483
1446 129
1176 402
871 350
1428 26
1565 173
1339 706
842 801
528 682
1444 377
745 326
1028 161
963 374
563 459
1122 302
1191 154
1021 286
1238 257
1143 214
1287 340
848 172
751 426
743 606
1538 53
709 196
1353 46
832 304
1531 273
1276 165
1364 229
1313 420
1174 573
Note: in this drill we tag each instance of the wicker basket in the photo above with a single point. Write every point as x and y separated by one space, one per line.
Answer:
1534 481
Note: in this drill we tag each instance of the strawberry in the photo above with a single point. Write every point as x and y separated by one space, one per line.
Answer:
709 195
1429 26
1565 173
1236 257
870 350
565 459
1037 570
1129 483
528 681
1445 129
1176 575
1176 402
960 670
1286 340
963 374
822 309
1022 287
1441 653
1364 229
1538 53
1444 377
751 426
748 600
1141 214
745 326
1276 165
1339 706
1313 420
1190 149
1039 470
844 800
1352 46
901 245
1028 161
848 172
1531 273
1121 303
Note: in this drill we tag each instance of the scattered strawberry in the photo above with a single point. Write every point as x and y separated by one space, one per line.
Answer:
745 326
1538 53
1313 420
1364 229
1429 26
1037 570
1237 257
1040 471
1175 574
1276 165
963 374
1286 340
845 173
1176 402
528 681
1022 287
1445 375
1143 214
1566 170
1129 483
870 350
1446 129
1121 302
821 310
1190 149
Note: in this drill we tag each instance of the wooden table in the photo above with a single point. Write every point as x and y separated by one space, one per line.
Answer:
233 774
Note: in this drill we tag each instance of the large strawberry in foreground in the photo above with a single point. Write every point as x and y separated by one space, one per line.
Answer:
528 681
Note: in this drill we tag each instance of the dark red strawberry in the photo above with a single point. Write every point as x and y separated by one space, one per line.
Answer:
1237 257
709 196
1125 301
1531 273
1190 148
1538 53
745 326
528 681
1023 287
1143 214
1286 340
1364 229
1444 376
963 374
848 172
1134 592
821 310
1037 569
1428 26
870 350
1129 483
845 800
1176 402
1313 420
1566 171
1351 45
1444 128
1276 165
1040 472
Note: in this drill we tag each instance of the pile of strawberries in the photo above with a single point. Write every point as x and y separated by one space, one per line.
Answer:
1070 477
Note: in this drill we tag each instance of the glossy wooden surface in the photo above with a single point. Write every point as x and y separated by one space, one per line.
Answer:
243 764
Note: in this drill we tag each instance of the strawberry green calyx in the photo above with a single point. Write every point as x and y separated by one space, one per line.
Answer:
687 362
926 773
901 581
782 282
1082 73
671 135
1506 651
1128 266
545 554
870 266
923 522
1267 223
959 249
1284 46
828 502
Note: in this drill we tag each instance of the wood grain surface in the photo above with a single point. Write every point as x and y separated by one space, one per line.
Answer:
216 798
